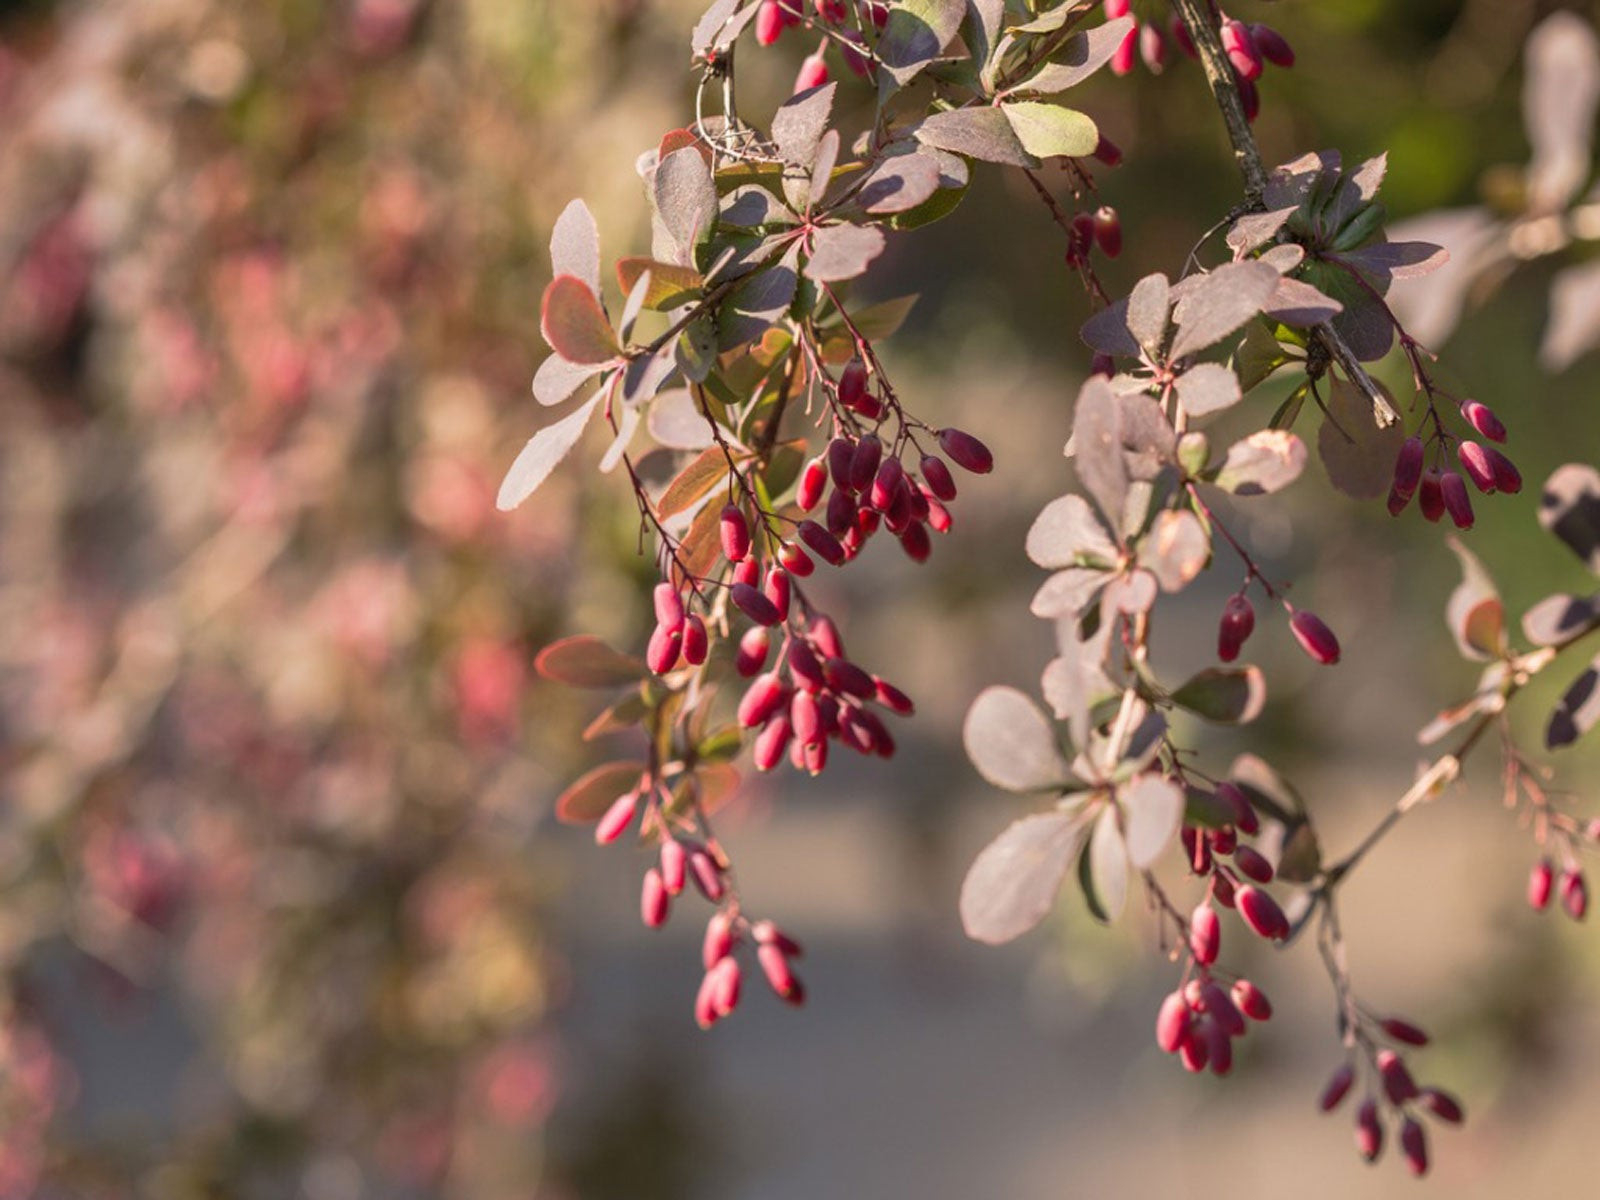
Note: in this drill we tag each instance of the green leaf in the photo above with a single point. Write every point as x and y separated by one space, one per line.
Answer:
983 133
1227 695
1050 131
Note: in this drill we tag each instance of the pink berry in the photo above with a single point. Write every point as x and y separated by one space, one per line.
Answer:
1540 882
747 570
769 22
1122 58
718 942
1430 494
1315 638
1273 45
1369 1132
654 900
754 605
1238 622
1261 912
1475 462
674 866
826 635
813 73
1414 1146
1408 467
1338 1086
796 561
1205 935
1219 1006
777 589
1506 476
696 641
772 742
886 484
966 451
754 647
669 607
804 718
1251 1001
664 649
841 514
726 978
892 697
1242 50
1153 49
735 533
761 699
1575 894
805 668
813 481
1172 1023
845 676
1117 8
780 974
1456 501
617 818
1196 1048
707 875
1482 418
1244 813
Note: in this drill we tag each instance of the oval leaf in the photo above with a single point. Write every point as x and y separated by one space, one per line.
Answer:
1578 710
1012 743
595 791
585 661
696 480
1570 508
1051 131
1358 454
1226 695
1013 882
575 245
1263 463
1152 807
1068 534
574 324
541 455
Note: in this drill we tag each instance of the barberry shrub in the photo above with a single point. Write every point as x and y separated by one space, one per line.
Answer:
763 440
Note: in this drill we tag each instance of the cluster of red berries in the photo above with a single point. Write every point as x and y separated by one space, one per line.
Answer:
1101 228
1199 1021
824 697
1394 1089
1310 631
1250 46
774 16
722 983
1573 888
1440 490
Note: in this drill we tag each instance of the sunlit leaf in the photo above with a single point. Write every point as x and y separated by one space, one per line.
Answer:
1152 809
1097 438
1082 55
588 798
1476 617
694 482
1555 619
574 324
1013 882
1560 90
556 379
843 251
1211 306
575 245
1207 388
1569 507
1103 871
541 455
799 123
1012 743
686 200
586 661
1051 131
1264 462
1067 533
917 31
978 133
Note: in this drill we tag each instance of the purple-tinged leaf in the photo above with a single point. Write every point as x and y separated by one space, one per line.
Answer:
632 307
696 348
1212 306
686 200
1013 882
587 662
1208 388
1397 260
1358 455
1263 463
1012 743
1254 230
1556 619
1284 258
575 245
917 32
1103 871
897 184
1097 437
721 24
1147 438
822 169
1226 695
1574 325
588 798
843 251
1107 331
1149 305
1578 709
574 324
556 379
1293 183
1364 321
1152 808
677 423
1295 302
1083 55
646 373
1051 131
1068 593
1131 595
1067 534
1570 508
1175 550
1475 614
1368 177
759 302
800 122
982 133
1560 90
542 454
749 206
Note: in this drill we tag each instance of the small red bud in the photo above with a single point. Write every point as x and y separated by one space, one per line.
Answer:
1205 935
1403 1031
1397 1082
813 481
1222 891
726 978
661 654
754 605
1475 462
938 478
1252 864
1414 1145
654 900
1172 1023
1540 881
771 742
1369 1132
674 866
966 451
780 975
669 608
617 818
1337 1088
707 876
1273 45
1441 1104
1108 152
1482 418
1430 494
735 532
777 590
761 699
718 943
1261 912
754 647
1238 622
813 73
1315 638
1456 501
1575 894
1251 1001
1243 52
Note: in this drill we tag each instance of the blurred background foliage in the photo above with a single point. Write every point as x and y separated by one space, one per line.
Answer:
282 910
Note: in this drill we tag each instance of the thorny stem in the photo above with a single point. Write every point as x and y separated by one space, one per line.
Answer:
1207 39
